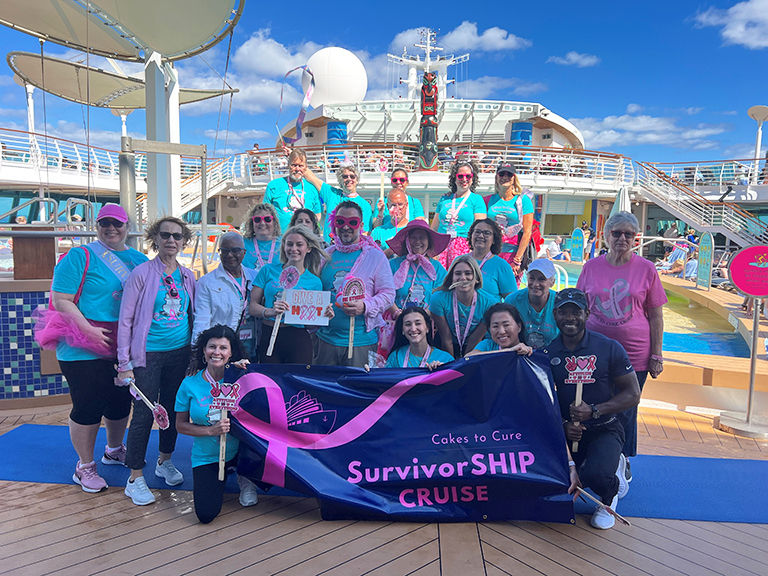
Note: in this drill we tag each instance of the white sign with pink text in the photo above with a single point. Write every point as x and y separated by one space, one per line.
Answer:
306 307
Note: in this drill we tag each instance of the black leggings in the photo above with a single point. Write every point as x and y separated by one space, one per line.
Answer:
292 346
208 490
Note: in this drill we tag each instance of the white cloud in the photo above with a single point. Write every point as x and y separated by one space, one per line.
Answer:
575 59
265 56
109 139
692 110
634 108
627 130
744 24
487 86
464 37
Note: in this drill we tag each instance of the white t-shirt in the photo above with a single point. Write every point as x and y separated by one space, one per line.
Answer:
553 249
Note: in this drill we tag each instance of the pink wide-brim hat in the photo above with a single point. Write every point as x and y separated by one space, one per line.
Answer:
437 242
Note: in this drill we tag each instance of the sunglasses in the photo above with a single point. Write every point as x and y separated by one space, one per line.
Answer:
233 251
353 223
257 219
464 176
176 235
618 234
107 222
399 180
348 177
173 292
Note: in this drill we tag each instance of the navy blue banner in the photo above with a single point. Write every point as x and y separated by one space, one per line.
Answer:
478 439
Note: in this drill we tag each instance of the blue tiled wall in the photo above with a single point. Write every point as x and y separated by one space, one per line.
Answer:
19 354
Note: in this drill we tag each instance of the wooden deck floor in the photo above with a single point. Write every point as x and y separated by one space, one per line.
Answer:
57 529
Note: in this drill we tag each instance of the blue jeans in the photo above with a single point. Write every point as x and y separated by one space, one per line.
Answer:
159 380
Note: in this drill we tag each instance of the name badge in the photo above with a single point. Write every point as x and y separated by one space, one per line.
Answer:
245 334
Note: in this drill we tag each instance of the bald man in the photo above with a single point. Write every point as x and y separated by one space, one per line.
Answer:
397 207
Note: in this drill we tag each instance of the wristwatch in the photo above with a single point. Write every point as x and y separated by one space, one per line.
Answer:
595 411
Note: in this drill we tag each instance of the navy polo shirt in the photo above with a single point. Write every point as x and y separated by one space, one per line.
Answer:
597 361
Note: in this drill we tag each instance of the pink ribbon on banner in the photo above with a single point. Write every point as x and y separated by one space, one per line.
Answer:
304 103
280 438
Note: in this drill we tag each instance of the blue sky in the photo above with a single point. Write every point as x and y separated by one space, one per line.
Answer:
657 81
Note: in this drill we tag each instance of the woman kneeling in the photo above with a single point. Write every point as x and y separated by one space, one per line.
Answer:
196 417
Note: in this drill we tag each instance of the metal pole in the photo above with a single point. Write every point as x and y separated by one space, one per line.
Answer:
127 167
753 357
756 170
204 210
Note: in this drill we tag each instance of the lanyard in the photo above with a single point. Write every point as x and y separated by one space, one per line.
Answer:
260 261
422 363
299 199
463 338
484 260
454 212
241 286
415 273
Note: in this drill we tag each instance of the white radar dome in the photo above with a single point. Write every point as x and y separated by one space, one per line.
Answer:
340 77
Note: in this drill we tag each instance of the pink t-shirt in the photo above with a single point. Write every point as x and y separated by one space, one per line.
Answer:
619 299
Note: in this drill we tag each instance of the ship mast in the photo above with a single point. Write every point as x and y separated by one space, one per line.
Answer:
416 66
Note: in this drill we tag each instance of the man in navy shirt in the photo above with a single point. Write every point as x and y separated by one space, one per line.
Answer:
610 386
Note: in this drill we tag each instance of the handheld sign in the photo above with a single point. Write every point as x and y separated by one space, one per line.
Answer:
159 413
225 397
383 169
289 277
306 307
353 289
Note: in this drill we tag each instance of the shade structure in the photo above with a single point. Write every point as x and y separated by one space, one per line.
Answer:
622 203
126 29
93 86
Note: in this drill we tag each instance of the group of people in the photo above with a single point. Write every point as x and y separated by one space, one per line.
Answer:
425 295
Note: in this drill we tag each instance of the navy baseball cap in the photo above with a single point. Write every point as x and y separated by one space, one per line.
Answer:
506 167
571 296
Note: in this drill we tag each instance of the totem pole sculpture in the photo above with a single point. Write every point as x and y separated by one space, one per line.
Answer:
428 125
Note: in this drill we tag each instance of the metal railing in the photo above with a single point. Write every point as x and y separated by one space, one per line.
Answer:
714 173
685 203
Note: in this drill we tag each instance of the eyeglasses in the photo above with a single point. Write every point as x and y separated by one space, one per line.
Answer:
178 236
257 219
353 223
618 234
348 177
233 251
486 233
298 166
170 285
399 180
107 222
464 176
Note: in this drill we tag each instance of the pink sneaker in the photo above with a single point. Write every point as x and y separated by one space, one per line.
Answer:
114 456
88 478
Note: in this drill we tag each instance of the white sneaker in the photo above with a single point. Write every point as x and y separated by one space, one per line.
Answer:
139 492
621 474
602 519
248 492
171 474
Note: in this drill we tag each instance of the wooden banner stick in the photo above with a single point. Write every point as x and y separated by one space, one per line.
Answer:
222 449
351 337
577 402
273 337
581 492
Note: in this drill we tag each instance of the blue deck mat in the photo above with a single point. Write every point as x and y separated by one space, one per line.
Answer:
707 489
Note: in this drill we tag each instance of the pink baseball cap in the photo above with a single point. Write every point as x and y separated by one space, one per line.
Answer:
113 211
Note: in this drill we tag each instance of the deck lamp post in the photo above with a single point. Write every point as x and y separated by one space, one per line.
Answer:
759 114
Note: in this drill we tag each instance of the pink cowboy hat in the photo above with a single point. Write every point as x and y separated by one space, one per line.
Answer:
437 242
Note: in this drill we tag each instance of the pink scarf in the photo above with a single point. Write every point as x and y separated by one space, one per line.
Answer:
415 260
365 244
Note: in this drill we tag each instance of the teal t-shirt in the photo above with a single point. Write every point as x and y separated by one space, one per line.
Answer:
442 305
466 215
101 295
397 358
268 279
384 233
337 331
415 210
332 197
418 291
287 197
508 208
170 328
194 396
487 345
498 278
540 327
268 249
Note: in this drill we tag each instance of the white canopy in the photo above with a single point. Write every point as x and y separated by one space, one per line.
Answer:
69 80
126 29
